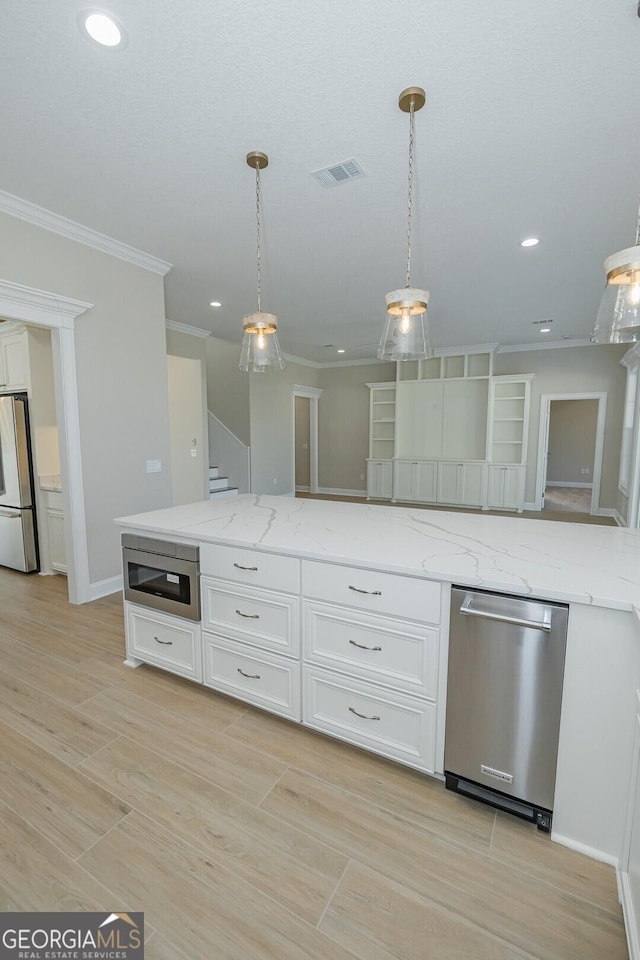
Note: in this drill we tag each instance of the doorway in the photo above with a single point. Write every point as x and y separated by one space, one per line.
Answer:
304 465
189 452
570 451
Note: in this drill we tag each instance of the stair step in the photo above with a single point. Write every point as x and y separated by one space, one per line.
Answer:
223 492
218 483
213 473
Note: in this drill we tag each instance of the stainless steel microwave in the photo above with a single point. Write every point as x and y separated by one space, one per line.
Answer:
162 574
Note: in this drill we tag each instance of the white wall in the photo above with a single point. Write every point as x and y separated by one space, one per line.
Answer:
181 344
228 388
121 374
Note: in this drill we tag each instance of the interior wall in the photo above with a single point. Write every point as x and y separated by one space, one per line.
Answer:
121 375
271 403
187 429
588 369
228 389
302 440
42 403
572 441
180 344
343 423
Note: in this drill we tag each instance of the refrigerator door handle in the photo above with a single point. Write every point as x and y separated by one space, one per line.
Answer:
544 624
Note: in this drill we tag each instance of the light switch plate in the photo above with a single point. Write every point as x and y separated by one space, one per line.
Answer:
154 466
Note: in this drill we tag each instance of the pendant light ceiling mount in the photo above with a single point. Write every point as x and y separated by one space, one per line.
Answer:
260 347
406 335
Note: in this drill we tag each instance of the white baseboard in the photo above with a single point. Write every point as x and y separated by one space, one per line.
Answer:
630 920
532 506
303 489
337 492
583 848
102 588
568 483
610 512
619 519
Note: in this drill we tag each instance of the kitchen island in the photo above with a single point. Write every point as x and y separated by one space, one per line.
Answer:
341 551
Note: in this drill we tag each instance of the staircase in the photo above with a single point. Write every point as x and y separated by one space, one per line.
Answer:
219 486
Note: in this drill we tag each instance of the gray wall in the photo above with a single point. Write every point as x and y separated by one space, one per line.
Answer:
272 426
121 374
302 438
228 389
343 423
588 369
572 441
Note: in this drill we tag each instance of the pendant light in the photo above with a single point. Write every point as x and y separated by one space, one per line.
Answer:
618 318
260 347
406 333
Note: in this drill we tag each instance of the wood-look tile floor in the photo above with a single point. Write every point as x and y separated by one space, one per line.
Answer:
245 837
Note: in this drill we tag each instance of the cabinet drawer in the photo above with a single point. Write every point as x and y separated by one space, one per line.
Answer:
370 590
252 567
261 617
264 679
395 653
388 723
164 641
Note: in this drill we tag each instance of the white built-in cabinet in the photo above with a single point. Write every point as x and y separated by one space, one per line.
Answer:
14 357
449 432
51 502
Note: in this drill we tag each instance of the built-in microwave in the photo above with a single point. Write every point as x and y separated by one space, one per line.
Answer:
162 574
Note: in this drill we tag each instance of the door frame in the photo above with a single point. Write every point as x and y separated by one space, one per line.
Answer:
543 443
313 394
59 313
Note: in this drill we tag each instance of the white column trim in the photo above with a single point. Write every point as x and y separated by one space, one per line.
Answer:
59 313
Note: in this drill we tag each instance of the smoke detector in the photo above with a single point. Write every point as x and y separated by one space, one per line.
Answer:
338 173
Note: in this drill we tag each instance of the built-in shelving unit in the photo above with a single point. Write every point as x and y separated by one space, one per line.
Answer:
382 433
508 420
448 367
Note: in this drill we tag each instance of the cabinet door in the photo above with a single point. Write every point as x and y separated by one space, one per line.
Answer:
472 483
57 552
426 481
403 480
464 419
379 479
495 486
419 419
448 482
512 495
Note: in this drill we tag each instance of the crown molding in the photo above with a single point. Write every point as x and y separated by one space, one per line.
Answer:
185 328
553 345
29 212
38 306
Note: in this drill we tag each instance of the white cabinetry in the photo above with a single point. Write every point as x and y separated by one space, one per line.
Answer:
251 627
630 865
14 358
463 483
505 488
52 501
379 479
382 419
171 643
415 480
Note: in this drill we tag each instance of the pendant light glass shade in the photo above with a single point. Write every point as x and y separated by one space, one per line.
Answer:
618 318
260 347
406 331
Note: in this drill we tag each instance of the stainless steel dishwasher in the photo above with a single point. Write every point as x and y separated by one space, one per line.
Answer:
504 693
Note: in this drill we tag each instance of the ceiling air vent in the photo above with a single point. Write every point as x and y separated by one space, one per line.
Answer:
338 173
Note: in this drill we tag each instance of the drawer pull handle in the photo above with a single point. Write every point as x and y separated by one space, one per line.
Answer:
167 643
361 646
362 715
372 593
240 567
250 676
249 616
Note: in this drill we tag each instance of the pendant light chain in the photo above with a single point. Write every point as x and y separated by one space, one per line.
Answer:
258 219
410 191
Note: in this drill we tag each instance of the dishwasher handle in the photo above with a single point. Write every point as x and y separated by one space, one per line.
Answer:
544 624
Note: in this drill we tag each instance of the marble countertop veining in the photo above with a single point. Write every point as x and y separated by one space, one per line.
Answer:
570 562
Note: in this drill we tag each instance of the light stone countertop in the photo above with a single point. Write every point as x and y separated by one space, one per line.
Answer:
571 562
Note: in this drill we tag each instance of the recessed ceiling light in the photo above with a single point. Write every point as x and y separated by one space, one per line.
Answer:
340 351
530 242
215 303
103 29
544 330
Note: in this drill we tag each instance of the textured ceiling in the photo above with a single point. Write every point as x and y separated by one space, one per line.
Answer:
531 127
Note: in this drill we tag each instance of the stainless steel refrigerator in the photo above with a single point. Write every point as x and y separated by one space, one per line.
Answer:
18 532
